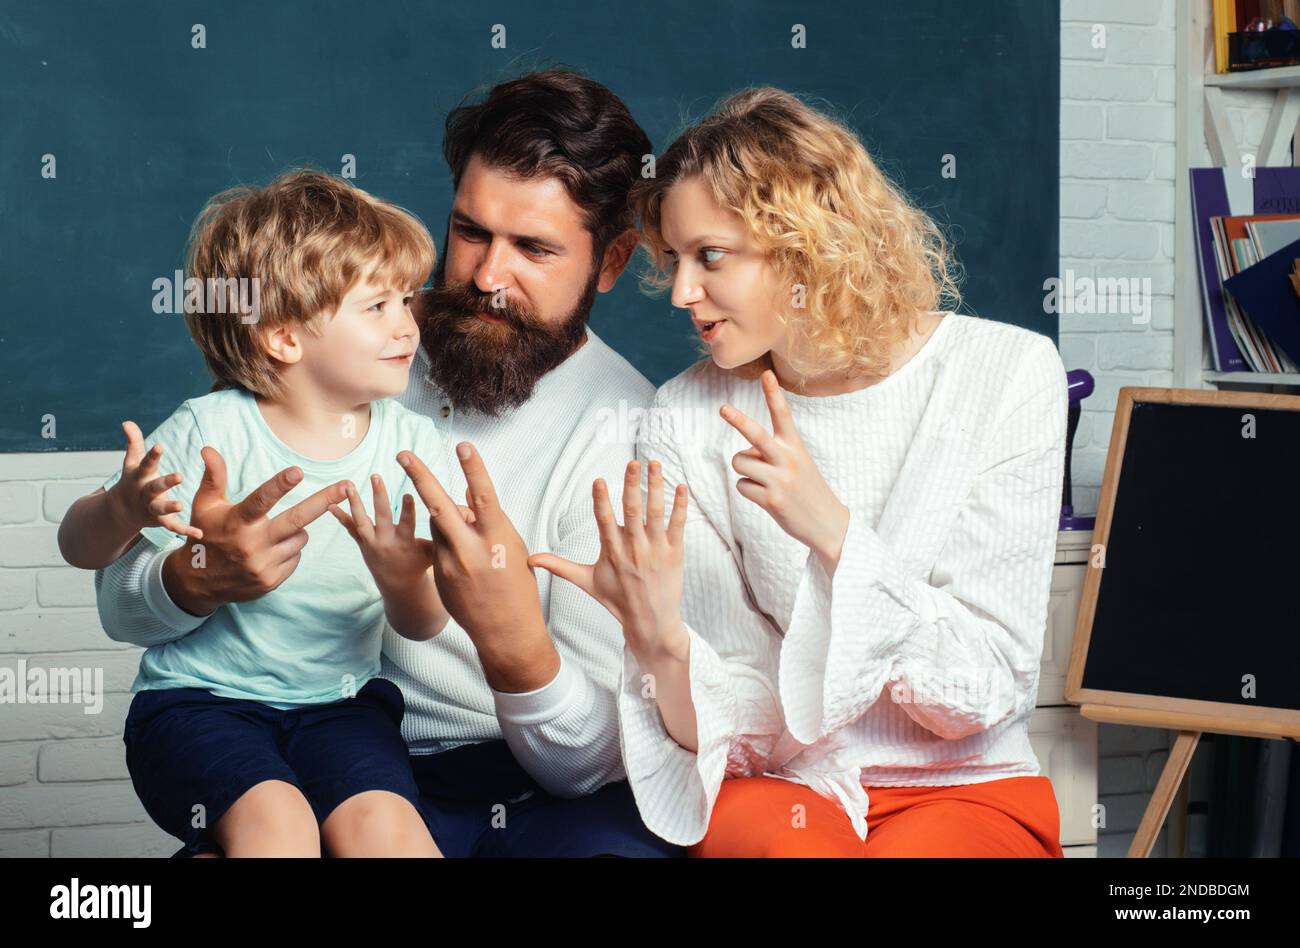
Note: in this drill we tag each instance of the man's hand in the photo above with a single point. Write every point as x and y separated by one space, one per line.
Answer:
481 568
245 554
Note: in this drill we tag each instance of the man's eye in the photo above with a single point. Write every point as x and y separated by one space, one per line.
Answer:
535 250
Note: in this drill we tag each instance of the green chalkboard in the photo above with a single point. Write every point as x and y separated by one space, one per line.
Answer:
144 127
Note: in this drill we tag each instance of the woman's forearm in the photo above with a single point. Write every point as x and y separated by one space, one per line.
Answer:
670 678
93 533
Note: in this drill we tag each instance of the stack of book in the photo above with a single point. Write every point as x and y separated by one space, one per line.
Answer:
1247 247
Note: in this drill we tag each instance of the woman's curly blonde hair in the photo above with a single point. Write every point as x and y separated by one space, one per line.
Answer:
826 218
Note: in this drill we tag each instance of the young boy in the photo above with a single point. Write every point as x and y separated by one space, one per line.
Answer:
266 730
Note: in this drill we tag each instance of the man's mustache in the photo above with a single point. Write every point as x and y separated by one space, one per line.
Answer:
461 302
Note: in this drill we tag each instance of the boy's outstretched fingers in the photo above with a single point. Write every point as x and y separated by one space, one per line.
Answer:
179 527
380 503
344 519
360 521
134 443
406 521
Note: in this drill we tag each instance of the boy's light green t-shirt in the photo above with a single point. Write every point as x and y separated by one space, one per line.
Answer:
316 637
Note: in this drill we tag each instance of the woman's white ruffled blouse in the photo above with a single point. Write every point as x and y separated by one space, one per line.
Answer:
917 663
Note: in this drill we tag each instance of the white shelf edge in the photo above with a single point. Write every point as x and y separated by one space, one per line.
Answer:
1281 77
1254 378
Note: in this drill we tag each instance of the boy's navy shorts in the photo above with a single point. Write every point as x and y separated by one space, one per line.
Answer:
187 748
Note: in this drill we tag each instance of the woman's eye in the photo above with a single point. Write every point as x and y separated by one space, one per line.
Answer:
708 250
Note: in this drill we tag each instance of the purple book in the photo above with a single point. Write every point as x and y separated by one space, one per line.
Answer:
1277 190
1218 192
1210 199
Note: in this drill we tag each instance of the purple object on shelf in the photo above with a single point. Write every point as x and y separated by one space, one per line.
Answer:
1079 384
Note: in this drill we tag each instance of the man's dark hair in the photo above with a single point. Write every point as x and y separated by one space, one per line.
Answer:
556 123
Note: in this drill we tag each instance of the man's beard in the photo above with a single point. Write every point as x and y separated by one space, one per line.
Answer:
492 367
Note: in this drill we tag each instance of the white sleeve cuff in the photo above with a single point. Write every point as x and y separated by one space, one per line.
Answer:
542 704
156 598
675 788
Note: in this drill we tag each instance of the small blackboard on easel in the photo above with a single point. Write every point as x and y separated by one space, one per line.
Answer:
1190 612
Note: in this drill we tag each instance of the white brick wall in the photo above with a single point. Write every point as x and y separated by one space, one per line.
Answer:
63 783
64 789
1117 214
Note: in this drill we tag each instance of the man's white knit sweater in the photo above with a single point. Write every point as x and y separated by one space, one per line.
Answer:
580 424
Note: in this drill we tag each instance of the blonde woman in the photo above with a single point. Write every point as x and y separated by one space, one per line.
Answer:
832 647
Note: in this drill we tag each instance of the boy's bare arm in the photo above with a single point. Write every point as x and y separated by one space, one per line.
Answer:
416 613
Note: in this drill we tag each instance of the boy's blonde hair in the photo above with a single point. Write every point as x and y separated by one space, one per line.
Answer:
306 238
827 219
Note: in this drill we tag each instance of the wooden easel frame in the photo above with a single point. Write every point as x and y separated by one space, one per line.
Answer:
1190 718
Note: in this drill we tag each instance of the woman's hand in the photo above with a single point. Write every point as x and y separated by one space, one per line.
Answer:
780 476
638 576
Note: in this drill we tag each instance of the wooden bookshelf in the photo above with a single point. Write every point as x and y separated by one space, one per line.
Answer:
1284 77
1252 378
1199 107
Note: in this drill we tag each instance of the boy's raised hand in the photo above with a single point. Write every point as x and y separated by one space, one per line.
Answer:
140 498
397 559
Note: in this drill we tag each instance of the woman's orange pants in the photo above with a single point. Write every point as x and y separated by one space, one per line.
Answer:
767 816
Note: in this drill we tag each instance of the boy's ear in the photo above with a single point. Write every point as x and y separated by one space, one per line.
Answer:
283 344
